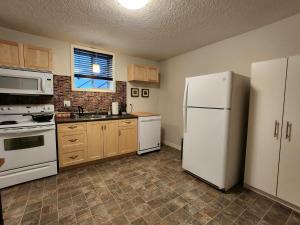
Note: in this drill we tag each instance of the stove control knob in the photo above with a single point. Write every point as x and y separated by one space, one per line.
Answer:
2 108
9 108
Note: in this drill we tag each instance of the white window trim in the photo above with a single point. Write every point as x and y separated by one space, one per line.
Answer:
113 86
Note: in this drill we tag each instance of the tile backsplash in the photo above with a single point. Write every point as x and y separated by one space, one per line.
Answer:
90 101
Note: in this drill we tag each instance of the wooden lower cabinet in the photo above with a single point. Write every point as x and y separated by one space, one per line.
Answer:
110 137
127 136
95 141
89 141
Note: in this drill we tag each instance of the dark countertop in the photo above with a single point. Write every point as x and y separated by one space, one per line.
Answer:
88 119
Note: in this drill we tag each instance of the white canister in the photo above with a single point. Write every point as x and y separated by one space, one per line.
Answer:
115 108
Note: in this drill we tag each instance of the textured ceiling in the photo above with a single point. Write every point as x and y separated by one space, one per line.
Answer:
162 29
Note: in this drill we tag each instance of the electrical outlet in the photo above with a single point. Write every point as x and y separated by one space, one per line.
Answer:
67 103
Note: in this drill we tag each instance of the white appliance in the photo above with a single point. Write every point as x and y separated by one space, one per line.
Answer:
22 82
215 117
149 133
28 147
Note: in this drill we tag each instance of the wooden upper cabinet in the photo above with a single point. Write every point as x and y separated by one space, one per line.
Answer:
37 57
11 54
153 74
143 73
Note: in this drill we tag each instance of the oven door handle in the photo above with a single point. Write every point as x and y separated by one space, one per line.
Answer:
21 130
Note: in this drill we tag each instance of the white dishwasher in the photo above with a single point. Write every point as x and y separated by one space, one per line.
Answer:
149 130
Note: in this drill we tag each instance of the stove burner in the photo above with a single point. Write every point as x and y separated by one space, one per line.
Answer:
8 122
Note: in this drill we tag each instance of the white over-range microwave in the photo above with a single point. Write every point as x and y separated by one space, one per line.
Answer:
22 82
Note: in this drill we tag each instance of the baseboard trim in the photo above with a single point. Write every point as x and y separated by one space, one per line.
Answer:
274 198
173 145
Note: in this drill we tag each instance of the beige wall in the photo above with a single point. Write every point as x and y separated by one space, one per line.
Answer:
276 40
61 65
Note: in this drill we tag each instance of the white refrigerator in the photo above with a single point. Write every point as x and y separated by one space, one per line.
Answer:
215 110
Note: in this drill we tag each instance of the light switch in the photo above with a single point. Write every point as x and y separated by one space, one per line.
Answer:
67 103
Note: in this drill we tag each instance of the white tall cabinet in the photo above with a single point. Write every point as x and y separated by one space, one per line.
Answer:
273 145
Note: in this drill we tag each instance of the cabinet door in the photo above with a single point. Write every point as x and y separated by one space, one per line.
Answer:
153 74
127 139
289 167
95 140
37 57
110 138
11 53
266 108
139 73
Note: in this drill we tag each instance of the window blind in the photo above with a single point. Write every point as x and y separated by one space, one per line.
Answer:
93 65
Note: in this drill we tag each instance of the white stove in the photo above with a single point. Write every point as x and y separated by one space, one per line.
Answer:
28 147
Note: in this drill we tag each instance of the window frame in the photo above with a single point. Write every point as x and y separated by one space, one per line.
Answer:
113 82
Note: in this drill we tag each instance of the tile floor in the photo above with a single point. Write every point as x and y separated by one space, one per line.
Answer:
138 190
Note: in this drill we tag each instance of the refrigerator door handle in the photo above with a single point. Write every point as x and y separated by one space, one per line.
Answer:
185 106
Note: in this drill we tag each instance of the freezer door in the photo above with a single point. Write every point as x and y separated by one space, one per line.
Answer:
209 91
205 144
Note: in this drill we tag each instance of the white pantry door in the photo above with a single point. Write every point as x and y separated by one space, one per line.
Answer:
289 167
266 108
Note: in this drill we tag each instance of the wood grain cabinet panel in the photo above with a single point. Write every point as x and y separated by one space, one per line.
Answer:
72 158
72 140
153 74
95 140
37 57
11 54
127 137
143 73
68 127
110 136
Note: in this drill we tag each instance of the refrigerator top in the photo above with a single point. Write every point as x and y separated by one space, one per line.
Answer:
209 91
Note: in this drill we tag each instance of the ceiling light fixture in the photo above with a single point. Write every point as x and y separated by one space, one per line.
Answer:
133 4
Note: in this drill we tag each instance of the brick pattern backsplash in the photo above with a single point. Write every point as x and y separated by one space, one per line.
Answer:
90 101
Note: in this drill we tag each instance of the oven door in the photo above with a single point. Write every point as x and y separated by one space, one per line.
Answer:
25 146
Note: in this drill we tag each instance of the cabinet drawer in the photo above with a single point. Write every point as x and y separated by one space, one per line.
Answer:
72 140
71 127
128 122
72 158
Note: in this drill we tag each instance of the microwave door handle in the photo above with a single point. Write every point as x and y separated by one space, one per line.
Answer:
43 81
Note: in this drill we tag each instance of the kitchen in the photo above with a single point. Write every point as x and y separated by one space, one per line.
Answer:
99 171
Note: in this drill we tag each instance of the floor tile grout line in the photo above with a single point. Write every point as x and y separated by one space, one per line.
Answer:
267 211
289 217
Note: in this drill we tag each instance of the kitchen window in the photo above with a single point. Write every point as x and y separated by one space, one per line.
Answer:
92 70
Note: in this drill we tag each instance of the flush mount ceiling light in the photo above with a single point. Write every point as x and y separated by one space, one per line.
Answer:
133 4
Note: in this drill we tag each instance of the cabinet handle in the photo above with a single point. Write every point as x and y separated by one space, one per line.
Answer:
119 132
276 129
72 127
288 134
127 122
73 140
73 157
104 127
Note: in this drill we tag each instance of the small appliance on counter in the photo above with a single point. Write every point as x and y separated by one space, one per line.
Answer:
149 132
115 108
27 142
